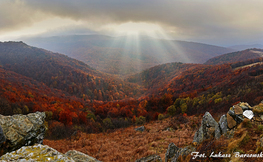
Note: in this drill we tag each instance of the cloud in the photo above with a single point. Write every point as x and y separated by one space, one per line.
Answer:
202 19
15 14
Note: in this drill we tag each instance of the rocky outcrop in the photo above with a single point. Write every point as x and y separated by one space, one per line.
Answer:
151 158
41 153
223 124
80 157
209 127
34 153
173 152
22 130
235 114
141 129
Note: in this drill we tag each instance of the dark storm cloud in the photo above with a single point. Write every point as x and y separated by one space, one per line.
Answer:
185 18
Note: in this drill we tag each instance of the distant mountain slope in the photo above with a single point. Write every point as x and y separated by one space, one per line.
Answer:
243 47
196 88
157 76
61 72
236 56
22 95
127 55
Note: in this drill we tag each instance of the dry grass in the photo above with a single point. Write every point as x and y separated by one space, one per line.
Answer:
127 144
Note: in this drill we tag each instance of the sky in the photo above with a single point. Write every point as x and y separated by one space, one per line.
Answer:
218 22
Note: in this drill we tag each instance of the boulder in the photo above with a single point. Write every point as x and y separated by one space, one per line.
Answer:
80 157
231 123
248 114
173 152
237 117
151 158
237 109
22 130
209 127
141 128
34 153
223 124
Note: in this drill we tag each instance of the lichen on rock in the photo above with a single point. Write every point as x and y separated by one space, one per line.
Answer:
36 153
22 130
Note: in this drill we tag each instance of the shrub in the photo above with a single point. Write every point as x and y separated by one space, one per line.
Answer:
49 115
160 117
184 108
91 115
171 110
218 100
141 120
120 123
108 123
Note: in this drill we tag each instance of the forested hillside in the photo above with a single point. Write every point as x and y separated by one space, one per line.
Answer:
127 55
236 57
77 97
64 73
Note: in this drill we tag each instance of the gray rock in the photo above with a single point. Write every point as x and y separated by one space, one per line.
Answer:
187 150
239 119
231 113
21 130
80 157
35 153
209 127
223 124
183 152
2 136
151 158
172 151
141 128
199 135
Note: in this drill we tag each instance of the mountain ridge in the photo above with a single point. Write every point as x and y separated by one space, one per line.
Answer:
127 55
238 56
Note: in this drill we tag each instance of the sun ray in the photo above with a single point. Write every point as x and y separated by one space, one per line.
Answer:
137 41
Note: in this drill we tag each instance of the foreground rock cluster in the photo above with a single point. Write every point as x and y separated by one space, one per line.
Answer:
209 129
41 153
22 136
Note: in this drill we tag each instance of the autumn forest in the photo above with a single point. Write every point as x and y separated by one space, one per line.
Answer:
76 97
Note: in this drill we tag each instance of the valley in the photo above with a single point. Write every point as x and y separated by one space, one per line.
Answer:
127 55
78 98
135 81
